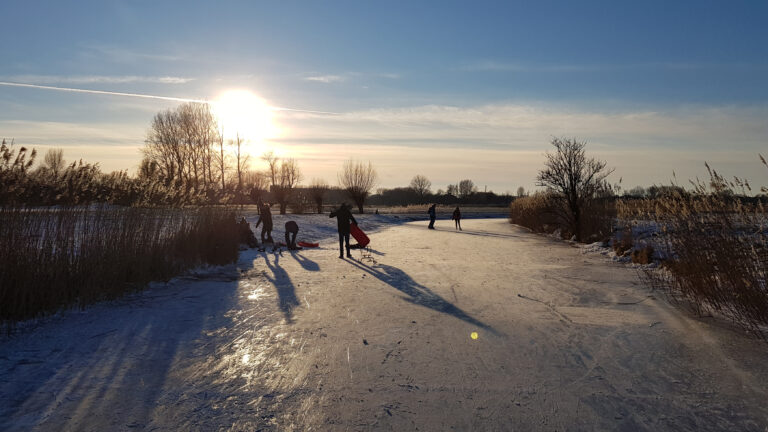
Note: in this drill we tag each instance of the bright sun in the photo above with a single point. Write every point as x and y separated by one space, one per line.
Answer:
242 113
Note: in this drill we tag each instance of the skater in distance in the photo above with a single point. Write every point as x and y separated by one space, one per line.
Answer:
432 216
457 218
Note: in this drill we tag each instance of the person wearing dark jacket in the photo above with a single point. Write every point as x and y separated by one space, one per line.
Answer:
246 235
265 216
432 216
291 227
457 218
343 217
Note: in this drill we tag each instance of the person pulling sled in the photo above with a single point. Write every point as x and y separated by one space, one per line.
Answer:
343 217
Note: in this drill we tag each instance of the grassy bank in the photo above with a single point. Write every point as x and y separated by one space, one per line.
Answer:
62 257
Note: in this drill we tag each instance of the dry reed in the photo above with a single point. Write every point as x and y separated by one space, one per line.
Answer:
718 251
52 258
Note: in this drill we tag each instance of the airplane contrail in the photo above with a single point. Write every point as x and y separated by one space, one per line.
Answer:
145 96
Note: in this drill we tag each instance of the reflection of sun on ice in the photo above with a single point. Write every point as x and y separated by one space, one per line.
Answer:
242 113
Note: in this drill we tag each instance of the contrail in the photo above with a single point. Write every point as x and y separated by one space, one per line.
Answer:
144 96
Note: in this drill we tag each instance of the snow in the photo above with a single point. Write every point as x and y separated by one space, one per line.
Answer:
307 341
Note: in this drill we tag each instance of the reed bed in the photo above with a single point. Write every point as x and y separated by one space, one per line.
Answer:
54 258
718 251
544 213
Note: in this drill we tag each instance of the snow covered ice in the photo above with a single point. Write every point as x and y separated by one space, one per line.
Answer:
490 328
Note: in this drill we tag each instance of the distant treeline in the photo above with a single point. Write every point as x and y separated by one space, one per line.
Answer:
27 181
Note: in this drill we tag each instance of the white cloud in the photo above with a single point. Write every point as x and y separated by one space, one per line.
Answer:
326 79
122 55
499 145
96 79
504 144
336 78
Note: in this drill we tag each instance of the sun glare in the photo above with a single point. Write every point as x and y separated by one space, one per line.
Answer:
240 112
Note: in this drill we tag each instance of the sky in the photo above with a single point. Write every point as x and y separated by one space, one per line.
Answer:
446 89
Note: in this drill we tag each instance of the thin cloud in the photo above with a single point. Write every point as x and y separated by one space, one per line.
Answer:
495 66
121 55
325 79
148 96
335 78
97 79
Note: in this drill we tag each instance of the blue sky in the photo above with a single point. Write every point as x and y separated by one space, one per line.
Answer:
448 89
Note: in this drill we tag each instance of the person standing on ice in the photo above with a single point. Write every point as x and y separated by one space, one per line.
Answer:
432 216
343 217
457 218
265 216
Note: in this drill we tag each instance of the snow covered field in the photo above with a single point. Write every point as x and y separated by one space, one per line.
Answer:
491 328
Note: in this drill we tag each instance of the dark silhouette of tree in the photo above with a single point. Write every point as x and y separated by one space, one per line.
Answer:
290 176
452 189
520 192
421 185
284 176
574 179
466 188
54 161
357 179
256 184
317 190
181 141
241 162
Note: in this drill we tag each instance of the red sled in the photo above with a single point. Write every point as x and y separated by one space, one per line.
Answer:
359 235
308 245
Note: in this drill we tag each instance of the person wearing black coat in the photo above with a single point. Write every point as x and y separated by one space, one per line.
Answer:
432 216
343 217
457 218
291 228
265 220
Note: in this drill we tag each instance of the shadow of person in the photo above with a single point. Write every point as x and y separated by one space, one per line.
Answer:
99 362
306 263
419 294
487 234
286 292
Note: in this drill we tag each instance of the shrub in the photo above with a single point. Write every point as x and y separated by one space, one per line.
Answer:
541 213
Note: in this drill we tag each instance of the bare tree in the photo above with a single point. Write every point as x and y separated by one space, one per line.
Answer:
357 179
452 189
574 179
256 183
317 190
54 160
421 185
273 169
287 178
520 192
180 143
241 162
221 162
466 188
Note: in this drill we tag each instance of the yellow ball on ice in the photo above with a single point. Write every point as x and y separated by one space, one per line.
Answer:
474 335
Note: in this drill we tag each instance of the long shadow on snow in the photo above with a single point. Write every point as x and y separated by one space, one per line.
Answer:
286 291
306 263
478 233
114 373
418 294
